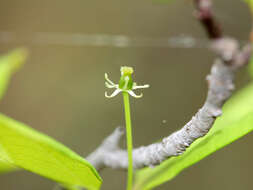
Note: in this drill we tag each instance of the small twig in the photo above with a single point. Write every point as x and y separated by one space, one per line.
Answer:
108 152
205 15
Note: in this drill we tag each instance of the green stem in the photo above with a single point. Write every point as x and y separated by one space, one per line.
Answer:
129 140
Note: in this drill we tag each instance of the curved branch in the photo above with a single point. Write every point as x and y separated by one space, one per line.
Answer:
205 15
221 85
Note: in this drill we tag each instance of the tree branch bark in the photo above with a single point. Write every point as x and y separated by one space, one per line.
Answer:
205 15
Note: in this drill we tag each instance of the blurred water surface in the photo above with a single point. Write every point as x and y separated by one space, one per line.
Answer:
60 91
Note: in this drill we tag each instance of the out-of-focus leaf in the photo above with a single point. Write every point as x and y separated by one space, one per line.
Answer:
5 162
250 3
236 122
9 64
26 148
6 167
67 187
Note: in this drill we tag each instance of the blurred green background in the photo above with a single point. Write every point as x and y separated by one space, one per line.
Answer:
60 91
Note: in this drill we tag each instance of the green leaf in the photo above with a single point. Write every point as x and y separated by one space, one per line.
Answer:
6 167
250 3
9 64
69 187
5 162
23 147
26 148
236 122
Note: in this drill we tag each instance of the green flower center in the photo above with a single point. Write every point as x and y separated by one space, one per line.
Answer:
126 81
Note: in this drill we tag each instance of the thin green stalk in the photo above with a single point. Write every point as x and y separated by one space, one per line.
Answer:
126 86
129 140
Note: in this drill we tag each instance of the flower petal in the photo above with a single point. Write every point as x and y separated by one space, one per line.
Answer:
134 95
139 87
113 94
108 80
110 85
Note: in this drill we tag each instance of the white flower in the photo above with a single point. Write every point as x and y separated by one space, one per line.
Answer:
126 84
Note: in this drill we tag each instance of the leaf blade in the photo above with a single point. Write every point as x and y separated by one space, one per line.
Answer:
9 64
38 153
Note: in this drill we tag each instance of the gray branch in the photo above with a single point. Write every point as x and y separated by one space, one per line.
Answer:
220 82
